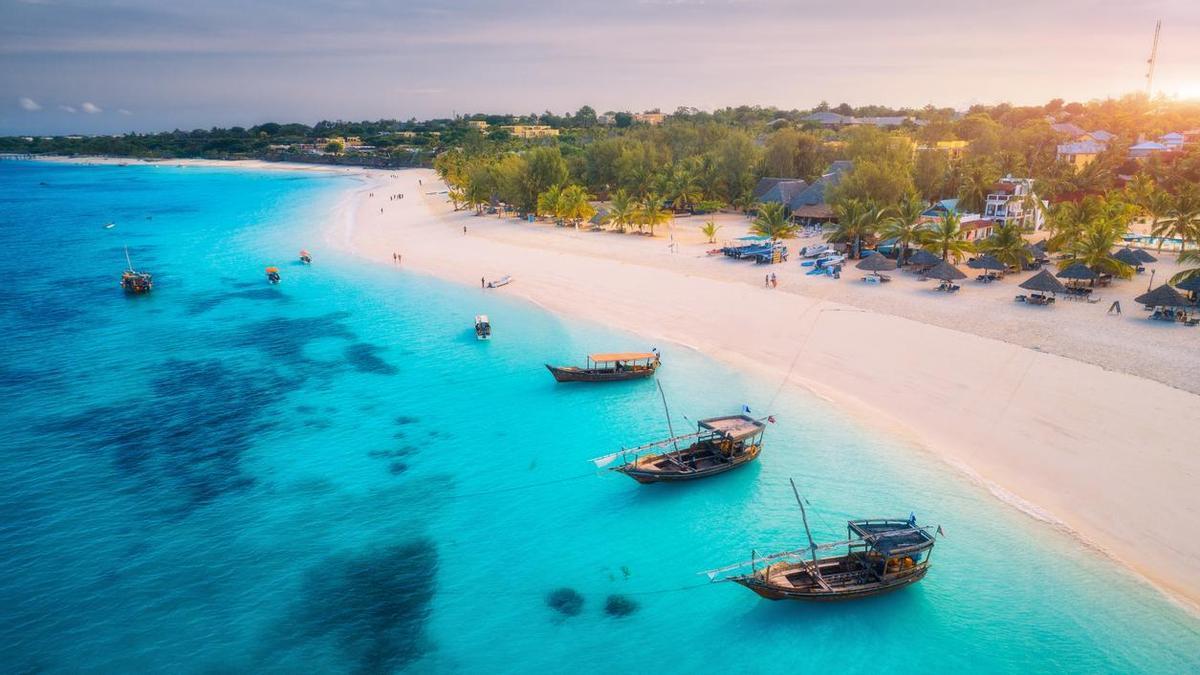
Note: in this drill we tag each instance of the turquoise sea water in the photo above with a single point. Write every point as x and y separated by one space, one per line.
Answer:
332 475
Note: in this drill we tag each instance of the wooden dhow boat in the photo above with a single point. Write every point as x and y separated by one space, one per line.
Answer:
613 367
880 555
134 282
719 444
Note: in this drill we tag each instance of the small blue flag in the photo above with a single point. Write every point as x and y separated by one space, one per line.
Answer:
745 408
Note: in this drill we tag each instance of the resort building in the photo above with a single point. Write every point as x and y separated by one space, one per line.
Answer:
1173 141
777 190
1145 149
1080 153
651 118
1072 130
481 125
1007 203
810 205
530 130
832 119
977 228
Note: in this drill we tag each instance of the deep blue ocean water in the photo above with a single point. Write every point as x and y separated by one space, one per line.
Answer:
332 475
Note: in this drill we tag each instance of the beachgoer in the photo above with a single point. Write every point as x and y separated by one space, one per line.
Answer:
419 182
766 281
1115 307
464 229
395 258
774 281
481 283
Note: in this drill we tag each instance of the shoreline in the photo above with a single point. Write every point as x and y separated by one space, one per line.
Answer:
1041 432
987 409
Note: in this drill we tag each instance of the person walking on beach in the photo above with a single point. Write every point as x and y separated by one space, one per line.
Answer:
1116 306
774 281
395 258
482 283
464 229
766 281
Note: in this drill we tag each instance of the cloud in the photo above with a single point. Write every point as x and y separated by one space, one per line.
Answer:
29 104
91 108
124 111
67 108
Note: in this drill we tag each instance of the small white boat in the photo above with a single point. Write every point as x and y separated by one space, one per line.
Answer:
502 281
815 250
829 261
109 226
483 327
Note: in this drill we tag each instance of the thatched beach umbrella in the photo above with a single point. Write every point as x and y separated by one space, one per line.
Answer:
987 261
876 263
1144 256
1043 282
923 258
1077 271
1129 257
1191 285
946 272
1163 296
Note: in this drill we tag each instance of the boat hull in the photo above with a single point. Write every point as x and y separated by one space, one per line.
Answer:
571 374
646 477
776 592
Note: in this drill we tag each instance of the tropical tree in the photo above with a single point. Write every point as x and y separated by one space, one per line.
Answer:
852 216
1182 221
1093 247
457 197
773 222
904 224
976 184
621 210
547 202
1185 258
684 190
1007 245
946 239
650 213
574 205
709 230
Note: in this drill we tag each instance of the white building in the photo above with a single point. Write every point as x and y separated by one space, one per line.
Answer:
1008 203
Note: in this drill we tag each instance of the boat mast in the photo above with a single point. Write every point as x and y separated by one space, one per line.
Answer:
667 410
127 260
812 546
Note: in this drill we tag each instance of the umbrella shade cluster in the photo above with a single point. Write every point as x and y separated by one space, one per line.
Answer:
923 258
987 262
1128 256
946 272
876 263
1163 296
1077 271
1043 282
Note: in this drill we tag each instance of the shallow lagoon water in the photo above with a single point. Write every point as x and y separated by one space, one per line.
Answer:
333 475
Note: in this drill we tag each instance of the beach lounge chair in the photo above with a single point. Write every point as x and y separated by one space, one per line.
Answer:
1021 298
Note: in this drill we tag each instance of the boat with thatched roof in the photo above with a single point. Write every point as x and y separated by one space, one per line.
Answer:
879 555
609 367
718 445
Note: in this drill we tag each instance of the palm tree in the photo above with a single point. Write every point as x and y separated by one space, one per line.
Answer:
904 224
621 210
1007 245
856 220
1185 258
1093 247
651 213
772 221
547 202
973 190
684 190
709 230
1182 221
946 239
574 205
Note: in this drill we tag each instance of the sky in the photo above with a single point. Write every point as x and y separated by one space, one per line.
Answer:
109 66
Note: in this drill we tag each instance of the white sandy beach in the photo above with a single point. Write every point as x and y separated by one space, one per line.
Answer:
1085 419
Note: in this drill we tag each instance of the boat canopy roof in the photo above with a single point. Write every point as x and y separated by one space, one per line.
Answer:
621 356
481 318
892 537
734 427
